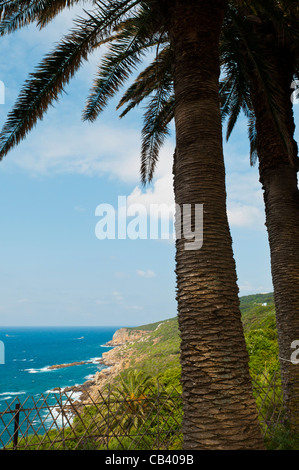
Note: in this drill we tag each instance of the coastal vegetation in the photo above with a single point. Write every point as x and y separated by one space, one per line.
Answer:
153 368
156 357
158 353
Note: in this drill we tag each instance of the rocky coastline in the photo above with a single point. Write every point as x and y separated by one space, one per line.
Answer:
71 364
115 360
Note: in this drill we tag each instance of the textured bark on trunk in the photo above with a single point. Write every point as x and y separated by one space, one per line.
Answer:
278 175
219 409
281 198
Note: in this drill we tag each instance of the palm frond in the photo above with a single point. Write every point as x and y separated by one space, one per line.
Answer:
280 15
156 84
147 81
243 54
122 59
47 82
44 86
10 6
252 135
117 8
16 14
52 9
159 113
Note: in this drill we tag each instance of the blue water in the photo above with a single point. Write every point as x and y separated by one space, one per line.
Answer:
29 352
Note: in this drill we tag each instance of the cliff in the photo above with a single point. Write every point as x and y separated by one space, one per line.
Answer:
142 348
154 349
124 335
116 360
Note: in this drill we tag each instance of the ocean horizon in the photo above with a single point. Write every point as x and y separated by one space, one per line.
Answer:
30 351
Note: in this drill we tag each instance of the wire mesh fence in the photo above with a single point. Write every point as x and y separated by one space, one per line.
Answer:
146 418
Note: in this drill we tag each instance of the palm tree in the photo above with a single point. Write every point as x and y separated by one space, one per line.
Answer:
243 50
130 403
265 97
219 409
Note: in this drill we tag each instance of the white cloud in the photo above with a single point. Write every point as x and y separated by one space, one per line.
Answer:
244 187
147 274
121 275
244 201
83 149
160 193
102 302
240 215
133 307
117 297
247 288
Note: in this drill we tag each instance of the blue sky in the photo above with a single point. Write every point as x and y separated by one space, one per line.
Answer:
54 270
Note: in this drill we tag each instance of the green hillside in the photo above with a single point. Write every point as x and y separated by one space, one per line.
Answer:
256 309
258 316
157 354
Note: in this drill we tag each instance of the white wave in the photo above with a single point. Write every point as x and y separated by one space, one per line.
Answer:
12 393
9 397
49 419
74 395
36 371
89 377
57 390
95 360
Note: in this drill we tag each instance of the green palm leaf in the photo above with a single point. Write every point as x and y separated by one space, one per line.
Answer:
155 84
147 81
46 84
242 54
126 52
16 14
158 115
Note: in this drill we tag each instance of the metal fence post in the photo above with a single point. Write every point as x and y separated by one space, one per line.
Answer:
16 427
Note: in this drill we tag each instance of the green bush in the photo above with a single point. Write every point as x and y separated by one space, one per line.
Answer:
282 438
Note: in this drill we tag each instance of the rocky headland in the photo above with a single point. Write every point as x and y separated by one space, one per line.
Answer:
115 361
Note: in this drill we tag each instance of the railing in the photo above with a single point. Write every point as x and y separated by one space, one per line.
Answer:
146 418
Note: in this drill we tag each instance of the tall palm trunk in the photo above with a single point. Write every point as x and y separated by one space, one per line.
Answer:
278 175
219 409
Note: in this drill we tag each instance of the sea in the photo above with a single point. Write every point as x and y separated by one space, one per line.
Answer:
29 351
